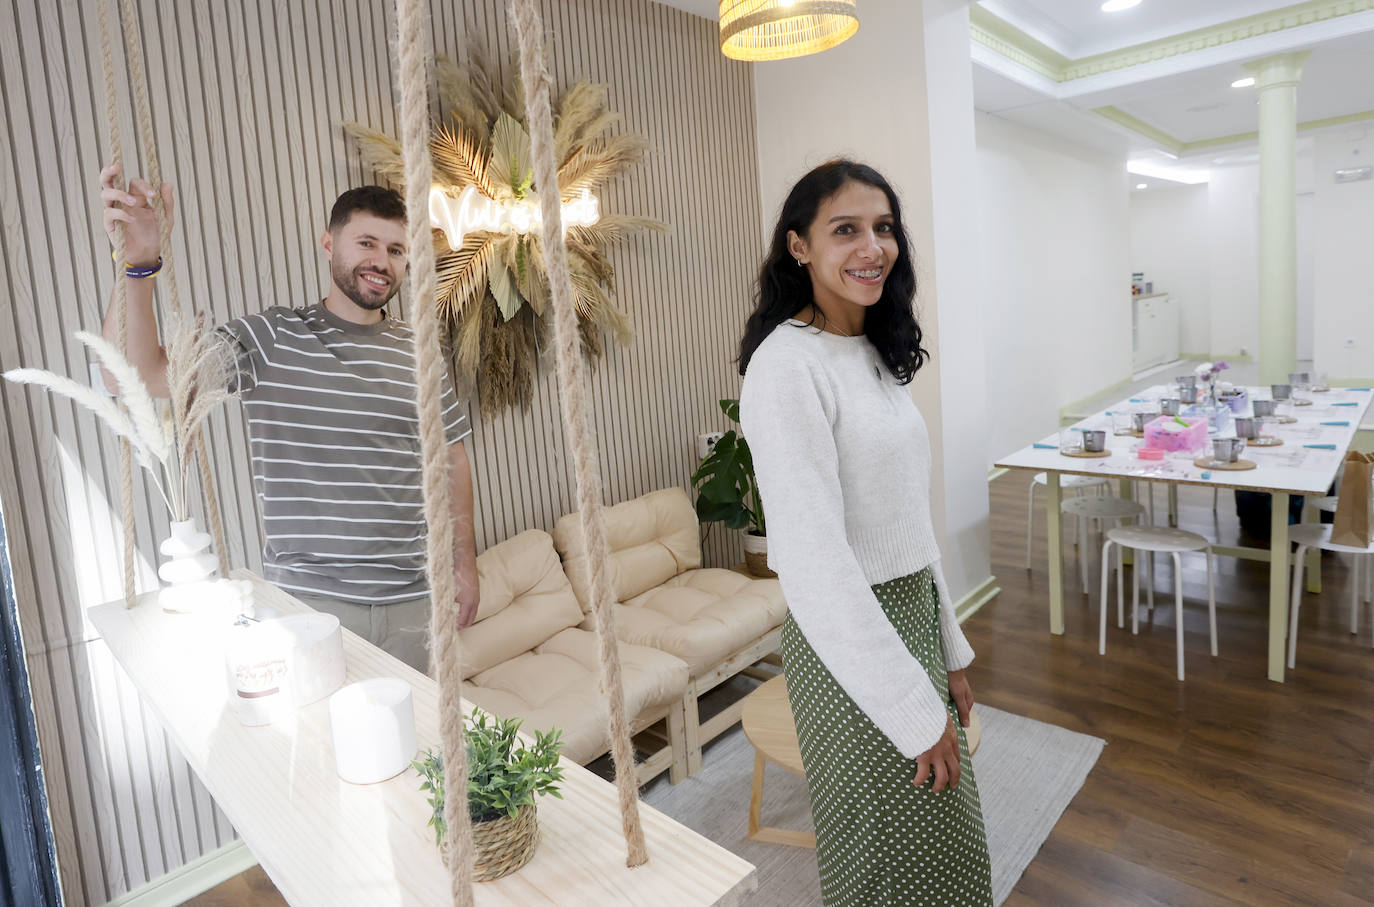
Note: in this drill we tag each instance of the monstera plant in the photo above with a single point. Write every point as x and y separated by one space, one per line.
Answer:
728 493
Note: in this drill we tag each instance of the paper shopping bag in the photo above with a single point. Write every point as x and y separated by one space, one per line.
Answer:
1352 523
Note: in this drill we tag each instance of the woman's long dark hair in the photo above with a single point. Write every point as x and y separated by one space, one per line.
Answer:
785 289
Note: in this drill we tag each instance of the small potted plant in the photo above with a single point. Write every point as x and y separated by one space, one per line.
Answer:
728 493
504 777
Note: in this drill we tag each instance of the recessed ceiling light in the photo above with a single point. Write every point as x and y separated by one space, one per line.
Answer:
1141 185
1243 83
1116 6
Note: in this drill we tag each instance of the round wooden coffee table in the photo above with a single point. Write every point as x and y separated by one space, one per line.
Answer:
767 721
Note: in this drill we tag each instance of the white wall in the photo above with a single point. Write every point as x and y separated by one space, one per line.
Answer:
1054 249
1233 227
868 99
1169 240
1343 227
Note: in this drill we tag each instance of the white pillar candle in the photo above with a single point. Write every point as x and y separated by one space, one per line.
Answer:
373 725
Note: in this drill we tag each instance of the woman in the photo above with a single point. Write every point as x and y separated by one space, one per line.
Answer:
873 655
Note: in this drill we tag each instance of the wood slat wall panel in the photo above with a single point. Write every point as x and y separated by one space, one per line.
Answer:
248 102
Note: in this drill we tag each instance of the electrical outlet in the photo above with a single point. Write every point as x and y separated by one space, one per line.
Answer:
1350 343
706 441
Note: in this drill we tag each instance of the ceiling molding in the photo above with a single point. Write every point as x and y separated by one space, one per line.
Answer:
1164 140
1141 128
998 35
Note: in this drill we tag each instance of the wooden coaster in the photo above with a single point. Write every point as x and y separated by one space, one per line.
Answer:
1285 420
1298 401
1088 454
1318 390
1239 465
1128 433
1264 441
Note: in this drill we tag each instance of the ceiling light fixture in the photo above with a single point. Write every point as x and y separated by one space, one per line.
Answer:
778 29
1243 83
1141 185
1116 6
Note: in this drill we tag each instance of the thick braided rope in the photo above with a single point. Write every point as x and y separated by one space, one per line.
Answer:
138 76
121 303
572 383
413 76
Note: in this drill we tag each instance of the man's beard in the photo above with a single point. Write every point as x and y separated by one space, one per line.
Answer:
363 297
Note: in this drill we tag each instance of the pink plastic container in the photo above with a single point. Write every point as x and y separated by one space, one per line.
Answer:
1165 433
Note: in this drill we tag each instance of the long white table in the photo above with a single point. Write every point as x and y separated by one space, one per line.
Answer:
1292 468
324 841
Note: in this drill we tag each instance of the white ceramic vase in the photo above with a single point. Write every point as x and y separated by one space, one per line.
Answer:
189 570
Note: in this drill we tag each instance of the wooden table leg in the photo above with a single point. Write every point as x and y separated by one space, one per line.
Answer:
1278 584
1054 498
756 795
1128 488
1310 514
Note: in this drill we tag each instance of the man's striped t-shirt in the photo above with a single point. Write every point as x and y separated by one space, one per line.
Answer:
336 451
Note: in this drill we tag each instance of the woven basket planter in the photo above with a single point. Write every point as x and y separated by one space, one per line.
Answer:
503 845
756 555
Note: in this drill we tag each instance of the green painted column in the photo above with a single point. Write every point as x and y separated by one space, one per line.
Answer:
1276 80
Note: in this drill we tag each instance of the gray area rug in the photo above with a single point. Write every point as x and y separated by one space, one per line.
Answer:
1028 771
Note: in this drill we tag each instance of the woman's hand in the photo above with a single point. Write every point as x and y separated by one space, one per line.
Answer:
943 758
962 694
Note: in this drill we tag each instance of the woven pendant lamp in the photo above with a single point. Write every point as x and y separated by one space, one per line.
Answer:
777 29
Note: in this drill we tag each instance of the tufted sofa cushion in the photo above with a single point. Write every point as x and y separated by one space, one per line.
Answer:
526 599
702 616
652 539
666 600
558 684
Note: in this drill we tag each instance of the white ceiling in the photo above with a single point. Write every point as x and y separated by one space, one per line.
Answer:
1338 79
1079 28
1193 102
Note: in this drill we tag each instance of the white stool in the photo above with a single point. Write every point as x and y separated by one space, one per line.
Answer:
1164 541
1066 482
1318 535
1328 505
1104 508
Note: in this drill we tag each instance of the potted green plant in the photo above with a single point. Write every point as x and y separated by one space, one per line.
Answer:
728 493
504 777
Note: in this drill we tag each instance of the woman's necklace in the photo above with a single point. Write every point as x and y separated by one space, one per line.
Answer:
830 328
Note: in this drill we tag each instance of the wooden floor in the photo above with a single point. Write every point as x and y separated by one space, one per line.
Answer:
1225 789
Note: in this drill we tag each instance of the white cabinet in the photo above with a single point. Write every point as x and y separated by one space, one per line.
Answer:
1154 325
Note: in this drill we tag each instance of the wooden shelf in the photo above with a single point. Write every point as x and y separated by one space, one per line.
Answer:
324 841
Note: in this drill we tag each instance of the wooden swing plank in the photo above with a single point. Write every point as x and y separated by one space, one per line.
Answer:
324 841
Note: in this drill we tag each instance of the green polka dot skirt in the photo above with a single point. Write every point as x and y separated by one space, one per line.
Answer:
880 840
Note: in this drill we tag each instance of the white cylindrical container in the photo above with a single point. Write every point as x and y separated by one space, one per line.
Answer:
373 726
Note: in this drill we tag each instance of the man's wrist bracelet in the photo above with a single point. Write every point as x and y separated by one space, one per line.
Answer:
139 272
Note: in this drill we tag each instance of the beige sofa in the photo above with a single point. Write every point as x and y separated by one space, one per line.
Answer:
526 657
718 622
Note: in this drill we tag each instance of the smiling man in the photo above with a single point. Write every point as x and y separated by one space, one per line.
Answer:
329 392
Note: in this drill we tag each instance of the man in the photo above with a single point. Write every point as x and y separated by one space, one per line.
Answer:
329 392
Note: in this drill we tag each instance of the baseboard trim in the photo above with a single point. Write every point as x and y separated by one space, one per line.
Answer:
1070 413
983 593
195 877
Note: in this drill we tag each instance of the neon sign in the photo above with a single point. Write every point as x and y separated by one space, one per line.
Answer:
473 212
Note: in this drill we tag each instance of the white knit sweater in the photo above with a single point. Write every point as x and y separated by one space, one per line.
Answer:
842 457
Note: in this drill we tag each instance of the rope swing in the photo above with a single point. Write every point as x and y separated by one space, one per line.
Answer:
413 77
577 418
139 84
